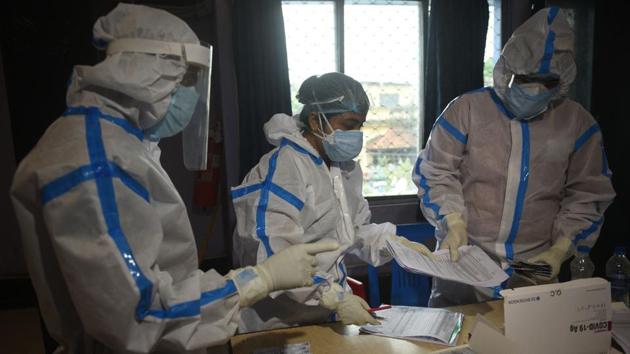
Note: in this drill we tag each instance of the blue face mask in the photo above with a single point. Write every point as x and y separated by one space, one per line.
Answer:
177 116
526 101
341 145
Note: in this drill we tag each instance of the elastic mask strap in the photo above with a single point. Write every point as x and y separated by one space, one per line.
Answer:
320 113
321 116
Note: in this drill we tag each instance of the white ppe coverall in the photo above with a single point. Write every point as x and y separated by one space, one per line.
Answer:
108 242
292 197
521 185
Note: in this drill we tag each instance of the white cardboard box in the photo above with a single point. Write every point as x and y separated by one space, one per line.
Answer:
571 317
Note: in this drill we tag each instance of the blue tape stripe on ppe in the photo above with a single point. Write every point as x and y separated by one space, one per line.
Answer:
287 196
210 296
128 181
583 249
588 231
262 203
70 180
496 293
546 59
545 62
66 182
553 11
237 193
298 148
107 198
193 307
426 199
185 309
121 122
585 136
343 273
499 104
318 280
522 189
459 136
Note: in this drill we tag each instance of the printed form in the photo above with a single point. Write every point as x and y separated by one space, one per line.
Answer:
418 323
474 266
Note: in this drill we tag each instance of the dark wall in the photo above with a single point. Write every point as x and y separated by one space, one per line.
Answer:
610 97
41 42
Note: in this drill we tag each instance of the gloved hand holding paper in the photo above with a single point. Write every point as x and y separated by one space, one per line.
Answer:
474 266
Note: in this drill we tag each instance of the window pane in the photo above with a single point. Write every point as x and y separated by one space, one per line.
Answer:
309 27
382 51
493 41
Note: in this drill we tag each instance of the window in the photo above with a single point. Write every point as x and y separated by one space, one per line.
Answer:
378 43
493 41
389 100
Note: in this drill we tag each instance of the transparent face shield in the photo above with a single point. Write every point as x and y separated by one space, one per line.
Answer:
195 135
198 58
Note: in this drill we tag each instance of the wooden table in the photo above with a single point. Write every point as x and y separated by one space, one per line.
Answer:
338 338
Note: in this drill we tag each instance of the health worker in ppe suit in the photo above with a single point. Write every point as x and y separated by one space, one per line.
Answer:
519 169
307 190
108 242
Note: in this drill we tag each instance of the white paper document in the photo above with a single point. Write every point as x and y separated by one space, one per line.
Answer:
474 266
418 323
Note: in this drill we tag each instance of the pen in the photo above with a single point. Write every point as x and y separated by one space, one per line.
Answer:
382 307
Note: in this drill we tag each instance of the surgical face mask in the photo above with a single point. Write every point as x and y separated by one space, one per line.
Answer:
528 100
340 145
178 114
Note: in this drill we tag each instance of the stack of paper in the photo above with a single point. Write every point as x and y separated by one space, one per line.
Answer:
474 267
621 325
418 323
529 269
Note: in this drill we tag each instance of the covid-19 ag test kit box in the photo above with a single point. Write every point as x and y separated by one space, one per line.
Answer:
572 317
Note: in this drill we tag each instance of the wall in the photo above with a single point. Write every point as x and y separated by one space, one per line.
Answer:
610 108
11 258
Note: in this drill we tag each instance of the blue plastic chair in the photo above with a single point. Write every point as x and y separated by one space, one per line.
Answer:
408 289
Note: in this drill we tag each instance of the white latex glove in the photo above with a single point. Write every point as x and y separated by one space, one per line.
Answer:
554 256
350 308
418 247
293 267
456 235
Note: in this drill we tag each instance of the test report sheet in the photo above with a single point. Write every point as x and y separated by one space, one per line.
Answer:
474 266
418 323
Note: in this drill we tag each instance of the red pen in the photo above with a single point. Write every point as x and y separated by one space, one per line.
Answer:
382 307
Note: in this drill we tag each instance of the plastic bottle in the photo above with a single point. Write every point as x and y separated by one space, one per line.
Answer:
618 273
581 265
